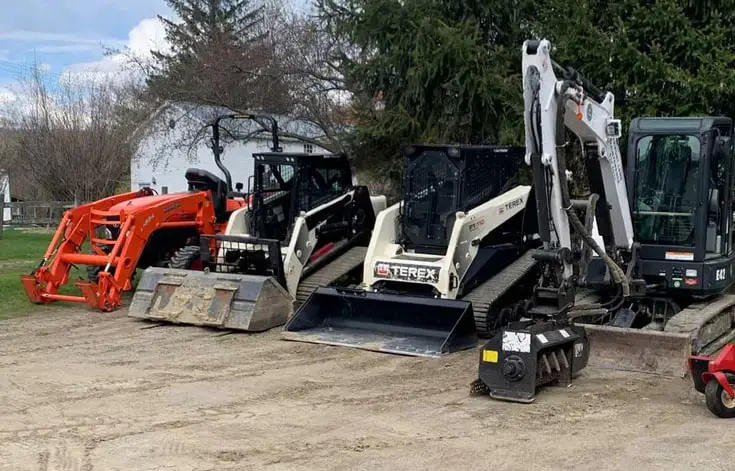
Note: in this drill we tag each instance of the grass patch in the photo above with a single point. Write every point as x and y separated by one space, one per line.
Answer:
20 252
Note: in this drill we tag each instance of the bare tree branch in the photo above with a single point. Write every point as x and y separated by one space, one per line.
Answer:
73 142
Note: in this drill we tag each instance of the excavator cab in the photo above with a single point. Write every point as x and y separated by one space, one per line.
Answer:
680 191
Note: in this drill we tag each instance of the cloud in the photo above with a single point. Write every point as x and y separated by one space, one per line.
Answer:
7 96
148 34
39 36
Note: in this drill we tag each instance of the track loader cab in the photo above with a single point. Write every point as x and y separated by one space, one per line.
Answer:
306 225
287 184
438 183
680 189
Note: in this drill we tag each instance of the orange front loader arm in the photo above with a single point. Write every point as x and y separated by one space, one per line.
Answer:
136 222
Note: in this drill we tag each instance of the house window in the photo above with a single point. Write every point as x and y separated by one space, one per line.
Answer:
308 148
164 190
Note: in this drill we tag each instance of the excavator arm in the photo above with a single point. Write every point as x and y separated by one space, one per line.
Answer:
589 113
547 347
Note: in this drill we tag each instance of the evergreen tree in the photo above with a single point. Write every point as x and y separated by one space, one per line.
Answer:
662 58
220 55
450 71
447 72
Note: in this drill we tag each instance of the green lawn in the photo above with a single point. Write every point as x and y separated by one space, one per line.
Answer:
20 252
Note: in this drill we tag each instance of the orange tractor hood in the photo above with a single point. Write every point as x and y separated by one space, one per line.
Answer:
138 204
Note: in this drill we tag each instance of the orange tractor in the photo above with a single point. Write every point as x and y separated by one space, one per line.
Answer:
136 230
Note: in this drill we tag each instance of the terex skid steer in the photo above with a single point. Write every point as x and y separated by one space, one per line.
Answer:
306 226
135 230
440 264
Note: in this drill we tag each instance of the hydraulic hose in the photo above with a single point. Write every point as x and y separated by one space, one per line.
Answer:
617 273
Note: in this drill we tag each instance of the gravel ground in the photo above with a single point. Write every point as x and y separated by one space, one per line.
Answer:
81 390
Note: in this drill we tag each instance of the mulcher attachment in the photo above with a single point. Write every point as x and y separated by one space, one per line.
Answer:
389 323
526 355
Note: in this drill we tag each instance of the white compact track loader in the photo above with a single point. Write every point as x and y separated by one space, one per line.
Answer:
440 263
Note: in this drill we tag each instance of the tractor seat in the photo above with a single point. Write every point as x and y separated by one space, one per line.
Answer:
202 180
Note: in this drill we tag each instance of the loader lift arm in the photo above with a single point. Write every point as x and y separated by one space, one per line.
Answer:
43 284
136 229
335 227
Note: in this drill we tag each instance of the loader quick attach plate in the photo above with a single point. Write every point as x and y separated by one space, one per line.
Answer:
405 325
230 301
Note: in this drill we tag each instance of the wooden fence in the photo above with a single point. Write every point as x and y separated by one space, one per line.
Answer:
34 213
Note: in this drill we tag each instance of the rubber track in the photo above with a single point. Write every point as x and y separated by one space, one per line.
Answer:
330 273
483 296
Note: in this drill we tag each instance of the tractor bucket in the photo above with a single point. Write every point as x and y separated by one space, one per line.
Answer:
228 301
405 325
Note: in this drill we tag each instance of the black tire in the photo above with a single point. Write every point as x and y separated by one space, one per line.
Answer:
93 272
717 403
185 257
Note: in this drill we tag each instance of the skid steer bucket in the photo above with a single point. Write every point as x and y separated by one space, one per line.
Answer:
406 325
243 288
225 300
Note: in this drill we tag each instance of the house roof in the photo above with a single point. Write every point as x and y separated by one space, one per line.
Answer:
195 117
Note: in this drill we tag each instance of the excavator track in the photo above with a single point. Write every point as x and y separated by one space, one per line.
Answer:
333 271
488 292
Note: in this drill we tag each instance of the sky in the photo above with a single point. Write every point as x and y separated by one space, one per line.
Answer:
66 36
63 35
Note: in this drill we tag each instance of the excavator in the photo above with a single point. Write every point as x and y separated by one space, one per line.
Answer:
307 226
443 265
637 275
135 230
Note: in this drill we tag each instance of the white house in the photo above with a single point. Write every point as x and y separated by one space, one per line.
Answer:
5 194
176 137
